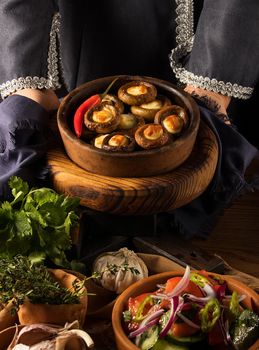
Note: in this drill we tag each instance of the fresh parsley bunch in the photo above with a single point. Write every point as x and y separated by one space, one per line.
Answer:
37 223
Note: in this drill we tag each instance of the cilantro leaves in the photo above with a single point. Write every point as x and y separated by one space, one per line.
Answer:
37 223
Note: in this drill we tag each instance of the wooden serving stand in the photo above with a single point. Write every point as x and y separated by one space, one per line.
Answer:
138 196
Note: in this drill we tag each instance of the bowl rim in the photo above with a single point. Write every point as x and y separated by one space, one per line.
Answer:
66 101
120 302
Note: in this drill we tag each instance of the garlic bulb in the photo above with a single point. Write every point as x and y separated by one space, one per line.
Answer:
118 270
41 336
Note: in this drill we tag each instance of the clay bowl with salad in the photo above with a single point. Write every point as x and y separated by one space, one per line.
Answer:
187 310
128 126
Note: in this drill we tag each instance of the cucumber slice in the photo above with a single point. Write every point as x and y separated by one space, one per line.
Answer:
184 340
150 338
162 344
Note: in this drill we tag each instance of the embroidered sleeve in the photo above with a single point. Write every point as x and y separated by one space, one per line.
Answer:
28 45
223 53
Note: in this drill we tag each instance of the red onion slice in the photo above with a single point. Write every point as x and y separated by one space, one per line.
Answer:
222 328
159 296
174 308
143 328
148 321
202 300
240 297
209 291
182 284
227 331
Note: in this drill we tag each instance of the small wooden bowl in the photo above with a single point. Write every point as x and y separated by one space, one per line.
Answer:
149 284
130 164
29 313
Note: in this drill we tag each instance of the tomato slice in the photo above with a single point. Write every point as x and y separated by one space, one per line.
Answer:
192 288
172 283
134 304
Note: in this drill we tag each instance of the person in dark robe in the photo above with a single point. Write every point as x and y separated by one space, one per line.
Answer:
48 47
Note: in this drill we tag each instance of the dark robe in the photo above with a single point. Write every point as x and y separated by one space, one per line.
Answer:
62 44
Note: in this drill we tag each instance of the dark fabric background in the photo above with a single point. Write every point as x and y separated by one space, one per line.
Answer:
245 115
229 182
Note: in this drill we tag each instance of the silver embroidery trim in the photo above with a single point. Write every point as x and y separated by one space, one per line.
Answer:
52 80
184 39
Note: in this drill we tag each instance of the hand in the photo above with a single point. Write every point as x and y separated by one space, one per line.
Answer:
46 98
216 101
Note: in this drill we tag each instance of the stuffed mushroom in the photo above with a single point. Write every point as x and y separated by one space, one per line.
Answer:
151 136
103 118
149 110
173 118
114 101
98 140
137 92
118 142
130 122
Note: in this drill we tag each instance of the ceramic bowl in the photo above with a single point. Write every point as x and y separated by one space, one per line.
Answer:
129 164
150 283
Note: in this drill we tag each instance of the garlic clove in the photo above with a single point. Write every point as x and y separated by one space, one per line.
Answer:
35 333
80 334
41 336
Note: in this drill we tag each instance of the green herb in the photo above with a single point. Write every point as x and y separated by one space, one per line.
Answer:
245 330
37 223
127 316
21 279
113 268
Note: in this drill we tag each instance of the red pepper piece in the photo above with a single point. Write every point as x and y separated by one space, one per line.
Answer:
85 106
80 112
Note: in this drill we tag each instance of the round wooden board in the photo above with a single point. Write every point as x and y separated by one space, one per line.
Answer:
145 195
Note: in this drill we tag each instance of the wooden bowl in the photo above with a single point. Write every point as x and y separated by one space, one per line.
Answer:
130 164
149 284
29 313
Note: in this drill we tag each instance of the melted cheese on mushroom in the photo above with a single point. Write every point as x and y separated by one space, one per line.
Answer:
127 121
98 141
153 132
118 140
156 104
102 116
137 90
173 123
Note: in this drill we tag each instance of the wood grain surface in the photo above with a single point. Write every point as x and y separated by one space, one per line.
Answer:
145 195
236 235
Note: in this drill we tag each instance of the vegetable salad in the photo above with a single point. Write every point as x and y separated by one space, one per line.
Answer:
195 311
